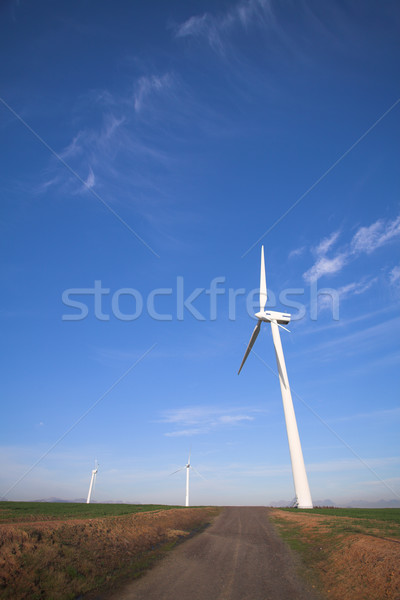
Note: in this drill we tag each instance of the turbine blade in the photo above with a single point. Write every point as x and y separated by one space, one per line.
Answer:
181 469
263 282
199 474
251 343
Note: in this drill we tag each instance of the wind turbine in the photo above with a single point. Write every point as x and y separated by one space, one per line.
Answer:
92 481
188 466
278 319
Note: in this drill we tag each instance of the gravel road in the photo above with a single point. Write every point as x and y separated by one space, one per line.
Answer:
239 557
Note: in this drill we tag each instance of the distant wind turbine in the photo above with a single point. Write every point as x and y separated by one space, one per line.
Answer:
92 481
278 319
188 466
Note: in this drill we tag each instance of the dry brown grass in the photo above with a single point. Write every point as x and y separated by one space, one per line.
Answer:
347 560
59 560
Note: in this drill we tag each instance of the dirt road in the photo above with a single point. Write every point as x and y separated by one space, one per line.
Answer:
239 557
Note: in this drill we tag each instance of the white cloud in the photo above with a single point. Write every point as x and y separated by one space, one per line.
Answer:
90 180
49 183
194 26
194 420
214 27
345 291
365 240
235 418
352 464
148 85
356 287
395 275
368 239
186 432
363 286
327 243
74 148
375 337
325 266
296 252
390 413
110 127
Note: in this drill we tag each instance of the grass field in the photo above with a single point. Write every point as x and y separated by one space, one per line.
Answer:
62 551
380 514
382 522
349 554
43 511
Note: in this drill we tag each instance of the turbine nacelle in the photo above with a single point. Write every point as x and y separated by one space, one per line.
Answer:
273 315
266 316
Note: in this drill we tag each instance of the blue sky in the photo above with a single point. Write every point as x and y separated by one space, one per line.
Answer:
152 147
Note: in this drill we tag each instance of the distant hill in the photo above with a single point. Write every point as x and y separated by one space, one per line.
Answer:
286 503
83 501
77 500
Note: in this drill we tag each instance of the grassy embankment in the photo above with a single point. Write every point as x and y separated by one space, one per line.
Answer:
44 511
346 553
62 551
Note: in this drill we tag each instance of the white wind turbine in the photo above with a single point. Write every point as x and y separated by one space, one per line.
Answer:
92 482
188 466
278 319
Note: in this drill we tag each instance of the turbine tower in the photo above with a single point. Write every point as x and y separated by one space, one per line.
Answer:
92 482
188 466
187 482
278 319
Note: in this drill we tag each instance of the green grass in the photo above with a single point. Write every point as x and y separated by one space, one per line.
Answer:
327 532
381 522
31 511
378 514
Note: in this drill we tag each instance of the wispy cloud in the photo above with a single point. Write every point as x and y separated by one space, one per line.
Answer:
215 27
74 148
194 420
88 147
368 239
374 337
365 240
195 26
186 432
390 413
356 287
345 291
296 252
148 85
229 419
325 266
341 465
90 180
327 243
131 135
394 276
352 464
